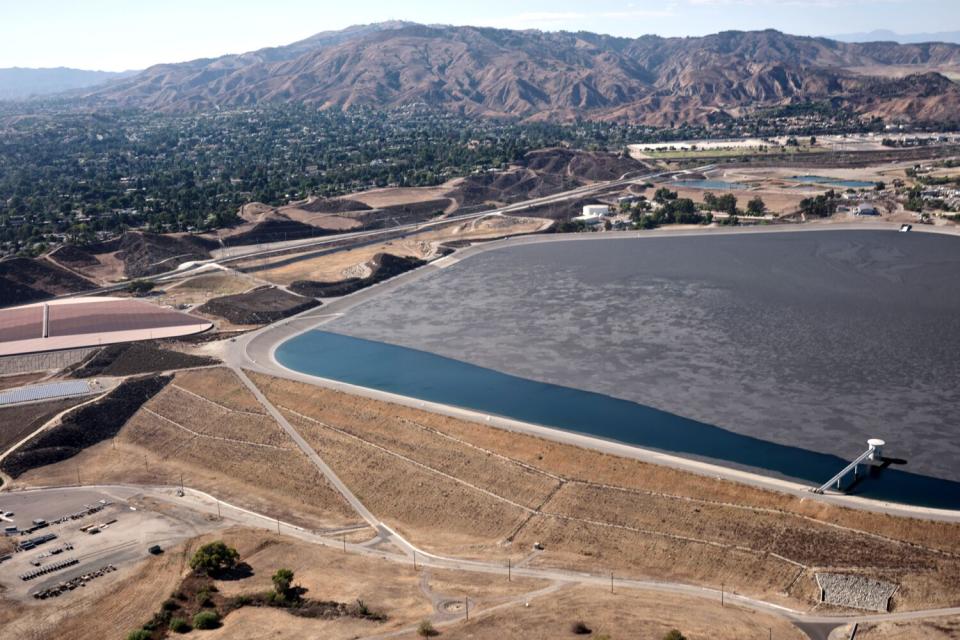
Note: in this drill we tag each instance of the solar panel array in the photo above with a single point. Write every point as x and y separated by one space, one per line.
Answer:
45 392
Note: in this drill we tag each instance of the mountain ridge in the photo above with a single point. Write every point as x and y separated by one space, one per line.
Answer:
535 75
17 83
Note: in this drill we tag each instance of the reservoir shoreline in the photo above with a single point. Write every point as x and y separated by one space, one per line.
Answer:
259 355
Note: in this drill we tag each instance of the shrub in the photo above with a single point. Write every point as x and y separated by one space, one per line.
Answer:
203 597
213 557
139 634
158 621
580 628
179 625
426 630
170 605
674 634
206 620
282 581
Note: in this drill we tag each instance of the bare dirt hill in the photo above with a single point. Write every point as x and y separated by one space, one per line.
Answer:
24 280
146 254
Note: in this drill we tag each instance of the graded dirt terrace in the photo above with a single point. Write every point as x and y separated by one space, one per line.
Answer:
207 427
200 289
424 245
17 422
463 488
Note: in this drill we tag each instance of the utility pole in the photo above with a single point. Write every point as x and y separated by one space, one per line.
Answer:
278 526
721 594
78 475
509 577
611 582
219 517
344 536
466 607
414 559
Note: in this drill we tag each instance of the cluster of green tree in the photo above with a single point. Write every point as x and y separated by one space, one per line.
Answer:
69 174
672 209
821 206
74 175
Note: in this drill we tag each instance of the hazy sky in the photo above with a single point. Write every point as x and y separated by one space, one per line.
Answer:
133 34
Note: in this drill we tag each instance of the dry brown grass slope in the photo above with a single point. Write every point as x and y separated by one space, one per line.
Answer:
207 427
447 483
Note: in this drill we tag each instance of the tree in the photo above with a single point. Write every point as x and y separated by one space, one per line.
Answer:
425 630
663 194
139 634
727 203
213 557
282 580
140 287
674 634
756 207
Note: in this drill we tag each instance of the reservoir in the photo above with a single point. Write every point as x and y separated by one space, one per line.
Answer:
422 375
837 182
781 352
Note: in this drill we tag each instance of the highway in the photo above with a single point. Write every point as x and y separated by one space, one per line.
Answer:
228 255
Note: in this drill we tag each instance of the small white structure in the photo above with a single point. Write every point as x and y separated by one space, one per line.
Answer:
598 210
593 213
866 210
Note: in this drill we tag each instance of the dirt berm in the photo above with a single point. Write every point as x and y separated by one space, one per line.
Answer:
383 266
85 426
134 358
147 254
276 228
260 306
335 205
23 280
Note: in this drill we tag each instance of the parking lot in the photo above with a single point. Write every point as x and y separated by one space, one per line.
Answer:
71 537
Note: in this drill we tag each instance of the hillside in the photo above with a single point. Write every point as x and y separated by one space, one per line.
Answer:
535 75
25 280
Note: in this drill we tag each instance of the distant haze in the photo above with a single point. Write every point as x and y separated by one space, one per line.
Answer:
882 35
18 83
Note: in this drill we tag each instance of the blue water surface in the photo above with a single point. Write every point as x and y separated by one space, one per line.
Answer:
837 182
426 376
